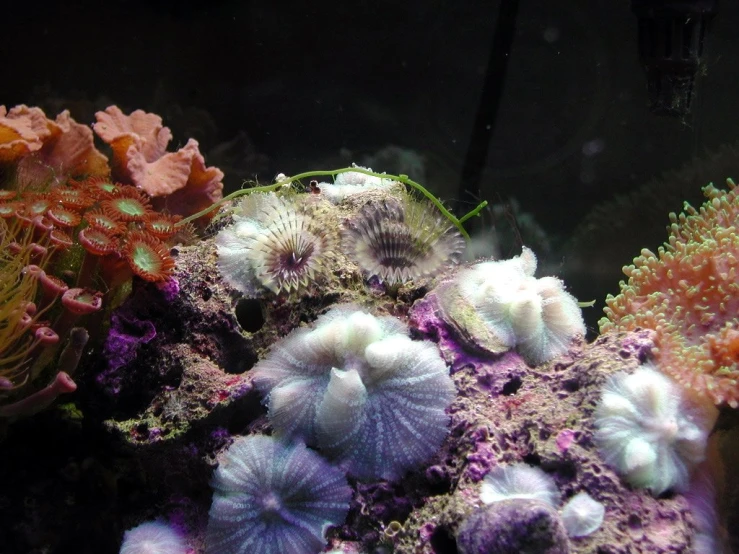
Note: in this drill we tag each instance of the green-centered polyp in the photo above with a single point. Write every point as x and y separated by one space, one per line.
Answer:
148 258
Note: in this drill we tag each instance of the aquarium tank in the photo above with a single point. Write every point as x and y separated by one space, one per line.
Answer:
415 277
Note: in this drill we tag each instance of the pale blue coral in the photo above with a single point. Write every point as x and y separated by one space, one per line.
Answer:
358 388
270 497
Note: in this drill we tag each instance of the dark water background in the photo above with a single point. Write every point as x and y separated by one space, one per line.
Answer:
285 86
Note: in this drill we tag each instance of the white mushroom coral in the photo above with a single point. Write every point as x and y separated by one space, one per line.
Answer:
536 316
519 481
648 431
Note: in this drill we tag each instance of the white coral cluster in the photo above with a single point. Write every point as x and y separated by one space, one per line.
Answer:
648 431
350 183
536 316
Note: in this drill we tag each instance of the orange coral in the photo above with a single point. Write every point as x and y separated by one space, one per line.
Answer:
178 181
689 294
140 130
22 131
45 149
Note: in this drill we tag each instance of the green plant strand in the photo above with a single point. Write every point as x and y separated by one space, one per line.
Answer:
400 178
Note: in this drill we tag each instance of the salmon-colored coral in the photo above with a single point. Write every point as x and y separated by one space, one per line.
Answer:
45 149
178 181
689 294
22 131
143 131
70 151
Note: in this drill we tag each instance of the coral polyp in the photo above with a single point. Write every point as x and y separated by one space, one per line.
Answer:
271 497
499 305
128 205
360 389
398 240
274 245
148 258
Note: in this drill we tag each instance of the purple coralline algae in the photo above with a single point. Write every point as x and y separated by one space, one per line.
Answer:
507 412
515 525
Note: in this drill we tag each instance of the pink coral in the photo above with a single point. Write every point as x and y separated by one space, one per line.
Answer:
46 149
178 181
688 293
22 131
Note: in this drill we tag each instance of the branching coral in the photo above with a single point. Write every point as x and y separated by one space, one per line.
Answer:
648 430
689 294
357 387
401 239
273 244
274 498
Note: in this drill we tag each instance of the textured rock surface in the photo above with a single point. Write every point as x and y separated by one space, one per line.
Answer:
179 387
516 525
507 412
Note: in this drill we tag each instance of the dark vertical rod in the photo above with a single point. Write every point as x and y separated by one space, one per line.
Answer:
487 111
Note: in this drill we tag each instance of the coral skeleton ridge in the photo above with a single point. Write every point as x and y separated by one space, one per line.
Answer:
358 388
648 431
271 497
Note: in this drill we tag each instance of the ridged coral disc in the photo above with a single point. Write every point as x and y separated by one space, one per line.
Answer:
273 244
401 240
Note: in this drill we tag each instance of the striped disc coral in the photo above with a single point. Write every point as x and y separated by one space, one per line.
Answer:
270 497
689 294
272 244
357 387
398 240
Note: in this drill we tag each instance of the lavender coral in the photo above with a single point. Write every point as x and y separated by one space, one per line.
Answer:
153 537
689 294
273 498
357 387
272 244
